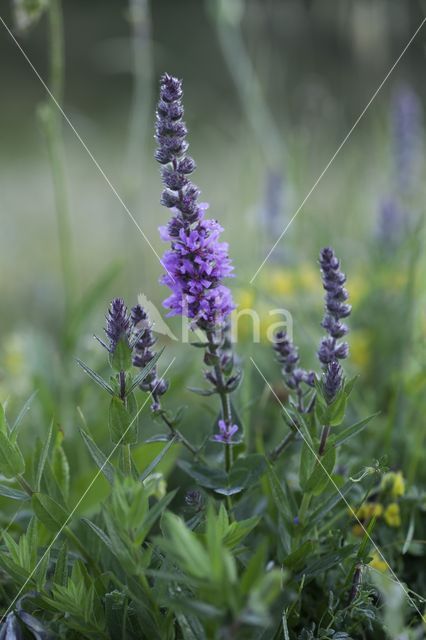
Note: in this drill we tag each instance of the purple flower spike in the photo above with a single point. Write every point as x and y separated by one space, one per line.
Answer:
118 324
197 262
408 134
142 354
336 308
332 380
288 357
226 432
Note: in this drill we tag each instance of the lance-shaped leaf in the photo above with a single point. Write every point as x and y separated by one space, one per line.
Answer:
12 463
49 512
99 457
96 377
140 377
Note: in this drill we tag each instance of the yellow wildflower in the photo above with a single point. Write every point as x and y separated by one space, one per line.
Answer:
309 279
394 483
368 510
280 282
392 515
378 563
357 530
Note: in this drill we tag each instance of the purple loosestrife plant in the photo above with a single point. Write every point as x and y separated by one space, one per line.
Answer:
336 308
197 262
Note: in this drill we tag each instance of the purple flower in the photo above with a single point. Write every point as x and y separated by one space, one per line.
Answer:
118 324
390 223
143 340
336 308
288 357
408 134
332 380
198 261
226 432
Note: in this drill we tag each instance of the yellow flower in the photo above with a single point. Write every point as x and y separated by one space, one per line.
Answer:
245 298
368 510
356 288
392 515
357 530
378 563
309 279
280 282
394 483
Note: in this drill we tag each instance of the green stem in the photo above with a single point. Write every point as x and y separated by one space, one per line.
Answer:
182 438
282 446
25 485
51 121
324 436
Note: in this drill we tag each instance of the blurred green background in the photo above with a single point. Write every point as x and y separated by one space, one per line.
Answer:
271 90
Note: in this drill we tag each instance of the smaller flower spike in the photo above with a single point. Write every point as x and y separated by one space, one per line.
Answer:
288 357
226 432
142 354
332 380
118 324
336 308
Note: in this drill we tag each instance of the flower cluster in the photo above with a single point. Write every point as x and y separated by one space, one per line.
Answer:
197 262
142 354
336 308
117 324
332 380
288 357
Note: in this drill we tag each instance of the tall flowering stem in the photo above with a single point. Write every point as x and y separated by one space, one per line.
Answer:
197 262
332 348
143 354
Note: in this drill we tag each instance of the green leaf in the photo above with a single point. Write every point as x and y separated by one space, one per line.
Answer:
298 558
98 456
182 544
209 477
144 372
320 476
307 464
96 377
3 423
280 495
353 430
13 494
43 457
12 463
23 411
61 567
330 502
49 512
122 422
116 605
153 514
60 466
150 468
247 470
121 359
239 530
